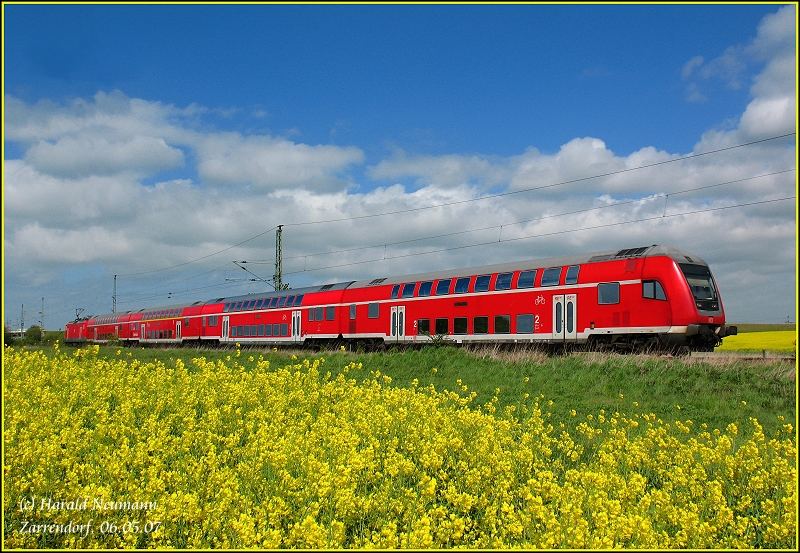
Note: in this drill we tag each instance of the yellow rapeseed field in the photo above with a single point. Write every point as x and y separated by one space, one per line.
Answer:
238 454
774 340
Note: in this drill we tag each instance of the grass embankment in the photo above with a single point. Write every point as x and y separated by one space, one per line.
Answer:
715 393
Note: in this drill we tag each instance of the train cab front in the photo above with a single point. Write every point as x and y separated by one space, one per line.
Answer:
709 328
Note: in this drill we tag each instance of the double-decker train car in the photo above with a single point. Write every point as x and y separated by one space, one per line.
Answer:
656 297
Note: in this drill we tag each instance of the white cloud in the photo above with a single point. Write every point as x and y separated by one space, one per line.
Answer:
690 66
765 117
48 245
272 163
446 170
76 156
773 43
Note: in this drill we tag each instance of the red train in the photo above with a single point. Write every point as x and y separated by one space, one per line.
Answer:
655 297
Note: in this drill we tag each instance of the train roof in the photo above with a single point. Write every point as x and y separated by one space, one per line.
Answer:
644 251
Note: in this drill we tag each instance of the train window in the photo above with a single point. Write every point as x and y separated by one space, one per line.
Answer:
276 330
652 289
395 291
373 310
212 321
524 324
282 301
460 325
251 304
298 300
425 288
608 293
273 302
572 274
526 279
330 313
424 326
462 287
503 281
352 312
260 330
443 287
408 289
502 324
318 316
267 330
442 326
260 303
254 330
186 322
482 283
285 329
551 276
480 325
311 314
290 301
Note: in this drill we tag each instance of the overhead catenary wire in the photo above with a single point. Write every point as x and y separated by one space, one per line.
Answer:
260 234
492 242
542 187
384 245
464 201
532 236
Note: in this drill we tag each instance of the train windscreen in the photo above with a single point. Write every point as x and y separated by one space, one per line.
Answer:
702 286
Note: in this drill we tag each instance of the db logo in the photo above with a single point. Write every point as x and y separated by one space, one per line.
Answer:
539 300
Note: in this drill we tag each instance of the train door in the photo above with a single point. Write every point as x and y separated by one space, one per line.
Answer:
142 335
297 317
225 328
178 330
397 330
565 317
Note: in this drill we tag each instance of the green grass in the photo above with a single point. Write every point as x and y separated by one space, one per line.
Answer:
712 392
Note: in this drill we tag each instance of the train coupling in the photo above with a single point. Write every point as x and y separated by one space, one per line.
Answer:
721 331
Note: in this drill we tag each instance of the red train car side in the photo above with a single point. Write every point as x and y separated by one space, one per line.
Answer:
654 296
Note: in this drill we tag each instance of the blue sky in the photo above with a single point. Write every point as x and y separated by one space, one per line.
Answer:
225 114
489 79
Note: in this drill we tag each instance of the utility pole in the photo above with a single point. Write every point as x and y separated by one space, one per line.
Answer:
114 297
277 277
22 320
41 316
